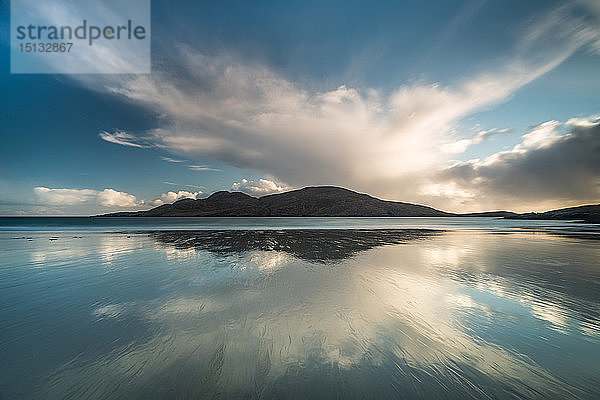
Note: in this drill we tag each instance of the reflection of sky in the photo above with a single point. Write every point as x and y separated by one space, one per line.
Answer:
453 312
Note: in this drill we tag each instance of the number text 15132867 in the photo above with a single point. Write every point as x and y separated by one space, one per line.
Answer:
45 47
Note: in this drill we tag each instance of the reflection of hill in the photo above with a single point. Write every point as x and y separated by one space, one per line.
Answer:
322 245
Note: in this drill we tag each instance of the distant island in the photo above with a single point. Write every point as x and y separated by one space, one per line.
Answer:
329 201
589 213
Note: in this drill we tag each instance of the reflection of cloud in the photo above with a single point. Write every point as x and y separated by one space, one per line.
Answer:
44 252
109 311
270 261
180 307
263 318
242 322
174 253
482 264
112 247
556 316
443 256
591 329
462 300
439 338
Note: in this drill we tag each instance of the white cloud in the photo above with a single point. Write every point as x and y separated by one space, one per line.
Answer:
64 196
171 197
183 184
462 145
593 120
105 198
260 188
541 136
112 198
122 138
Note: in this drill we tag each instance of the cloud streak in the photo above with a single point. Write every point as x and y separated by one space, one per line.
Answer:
171 160
203 168
123 138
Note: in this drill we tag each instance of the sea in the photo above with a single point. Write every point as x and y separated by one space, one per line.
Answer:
298 308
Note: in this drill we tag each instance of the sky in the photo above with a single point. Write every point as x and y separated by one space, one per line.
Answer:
459 105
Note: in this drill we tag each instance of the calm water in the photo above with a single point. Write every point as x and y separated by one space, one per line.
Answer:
251 223
480 309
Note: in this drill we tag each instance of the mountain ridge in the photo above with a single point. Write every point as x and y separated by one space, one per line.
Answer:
330 201
318 201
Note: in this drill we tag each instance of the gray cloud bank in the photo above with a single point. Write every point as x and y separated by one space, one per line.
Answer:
545 169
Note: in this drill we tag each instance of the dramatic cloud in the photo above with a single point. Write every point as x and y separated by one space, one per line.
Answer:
171 197
260 188
105 198
547 169
391 144
122 138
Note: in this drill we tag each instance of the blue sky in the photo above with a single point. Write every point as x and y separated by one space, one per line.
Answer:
456 104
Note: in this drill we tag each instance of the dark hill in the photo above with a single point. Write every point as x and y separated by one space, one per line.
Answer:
321 201
331 201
